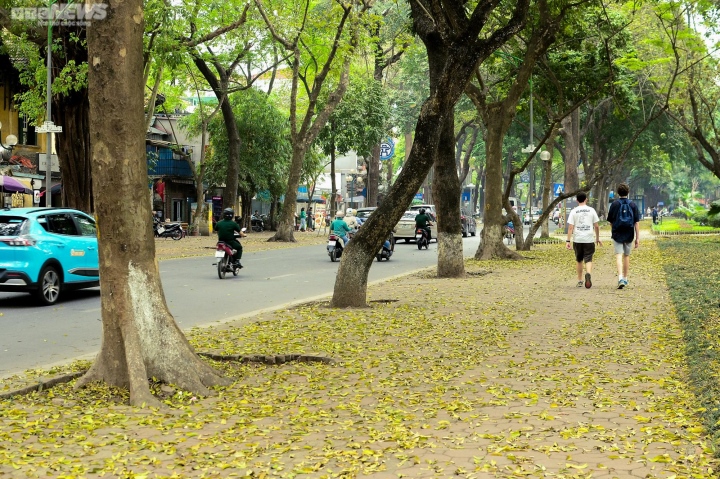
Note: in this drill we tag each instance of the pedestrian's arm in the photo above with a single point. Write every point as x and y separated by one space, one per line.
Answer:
637 234
571 228
597 233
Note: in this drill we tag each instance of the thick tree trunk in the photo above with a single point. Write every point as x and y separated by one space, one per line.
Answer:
140 337
453 53
446 190
71 111
351 281
492 245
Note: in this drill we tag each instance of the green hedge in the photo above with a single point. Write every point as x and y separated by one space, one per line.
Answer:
692 265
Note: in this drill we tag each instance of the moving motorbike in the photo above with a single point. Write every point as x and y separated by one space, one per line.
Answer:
422 238
167 230
387 249
335 246
224 254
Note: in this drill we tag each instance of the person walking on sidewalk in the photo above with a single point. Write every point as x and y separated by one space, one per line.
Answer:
584 230
624 216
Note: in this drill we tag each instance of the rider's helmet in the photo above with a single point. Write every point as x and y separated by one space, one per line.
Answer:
339 214
228 213
422 211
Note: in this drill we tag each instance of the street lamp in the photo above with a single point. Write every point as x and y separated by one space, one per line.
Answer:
10 140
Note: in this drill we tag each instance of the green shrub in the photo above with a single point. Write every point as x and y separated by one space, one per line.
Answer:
700 217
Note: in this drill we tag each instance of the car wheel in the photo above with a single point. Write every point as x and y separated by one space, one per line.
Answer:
407 240
49 286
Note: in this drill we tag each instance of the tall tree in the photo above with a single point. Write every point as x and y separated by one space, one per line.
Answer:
456 39
358 123
140 337
316 67
390 37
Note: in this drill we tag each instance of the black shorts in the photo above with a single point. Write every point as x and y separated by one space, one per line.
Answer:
584 252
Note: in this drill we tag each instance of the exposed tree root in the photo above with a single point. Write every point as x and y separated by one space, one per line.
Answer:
268 359
500 252
42 385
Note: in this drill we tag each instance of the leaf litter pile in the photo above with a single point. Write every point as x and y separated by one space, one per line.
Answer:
514 372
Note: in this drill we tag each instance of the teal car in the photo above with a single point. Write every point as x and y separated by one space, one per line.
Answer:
47 251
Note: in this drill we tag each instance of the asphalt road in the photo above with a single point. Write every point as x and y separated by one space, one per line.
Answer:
39 337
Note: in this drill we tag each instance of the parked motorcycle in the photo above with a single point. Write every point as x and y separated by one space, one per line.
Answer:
509 233
422 238
257 223
167 230
224 254
387 249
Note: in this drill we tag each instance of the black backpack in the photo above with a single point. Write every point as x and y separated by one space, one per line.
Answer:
625 218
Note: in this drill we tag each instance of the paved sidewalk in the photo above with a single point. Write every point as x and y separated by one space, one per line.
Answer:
512 372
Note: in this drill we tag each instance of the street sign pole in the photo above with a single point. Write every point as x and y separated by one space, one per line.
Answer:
48 127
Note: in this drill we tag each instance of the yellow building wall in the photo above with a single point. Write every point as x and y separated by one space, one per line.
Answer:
11 126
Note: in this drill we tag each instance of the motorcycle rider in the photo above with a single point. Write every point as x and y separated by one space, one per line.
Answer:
226 229
423 222
340 228
350 219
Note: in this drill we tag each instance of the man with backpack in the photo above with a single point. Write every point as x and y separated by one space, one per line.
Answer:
624 216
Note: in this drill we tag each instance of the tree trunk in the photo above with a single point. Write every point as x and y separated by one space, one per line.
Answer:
219 84
246 211
233 162
373 177
140 337
286 224
453 53
491 245
571 135
447 192
71 111
351 281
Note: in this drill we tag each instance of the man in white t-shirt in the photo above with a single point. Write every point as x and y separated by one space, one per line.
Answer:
585 232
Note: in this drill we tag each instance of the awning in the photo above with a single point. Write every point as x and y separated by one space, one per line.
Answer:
10 184
303 198
24 181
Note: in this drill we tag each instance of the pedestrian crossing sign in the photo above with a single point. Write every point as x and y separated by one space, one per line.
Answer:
558 188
